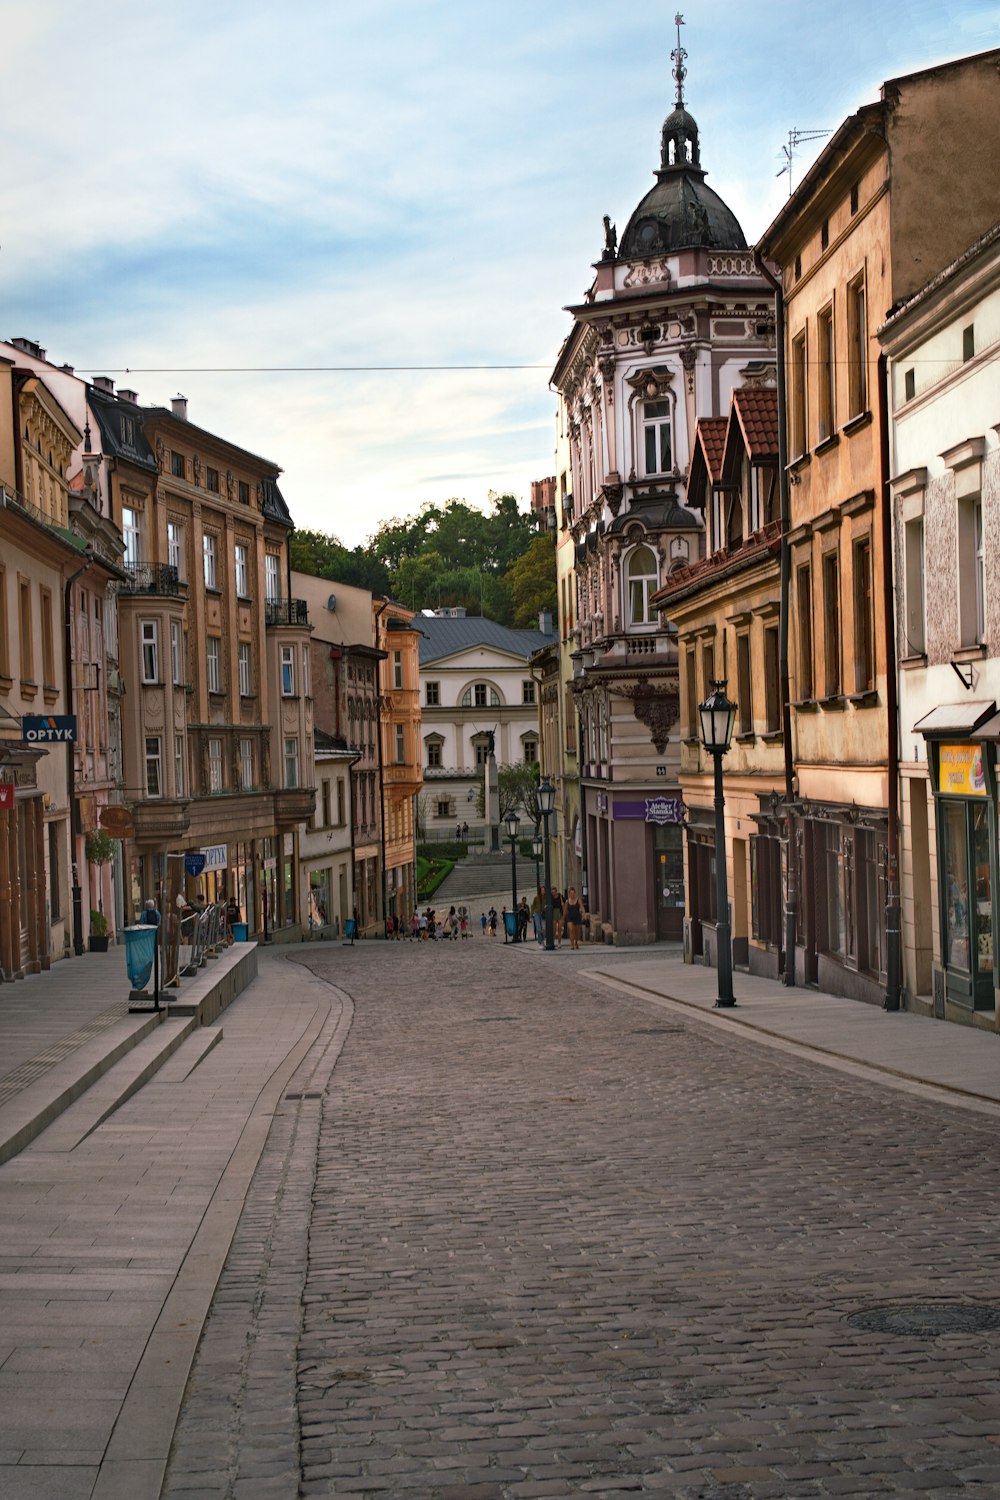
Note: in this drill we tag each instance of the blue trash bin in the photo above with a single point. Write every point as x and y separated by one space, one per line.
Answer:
239 931
140 949
510 922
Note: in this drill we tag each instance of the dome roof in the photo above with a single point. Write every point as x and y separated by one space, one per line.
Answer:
680 212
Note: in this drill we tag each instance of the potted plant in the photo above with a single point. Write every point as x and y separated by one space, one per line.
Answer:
99 850
98 932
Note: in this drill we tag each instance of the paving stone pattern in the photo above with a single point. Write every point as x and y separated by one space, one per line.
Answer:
561 1244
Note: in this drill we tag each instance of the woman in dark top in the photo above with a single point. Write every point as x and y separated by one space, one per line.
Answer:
557 916
574 915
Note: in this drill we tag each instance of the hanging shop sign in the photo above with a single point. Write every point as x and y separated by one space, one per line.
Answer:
194 864
47 729
6 794
961 772
660 810
117 820
216 857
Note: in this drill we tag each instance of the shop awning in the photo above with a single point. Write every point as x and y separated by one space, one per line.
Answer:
990 730
957 718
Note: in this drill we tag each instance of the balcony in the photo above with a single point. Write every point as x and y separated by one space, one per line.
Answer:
294 805
152 578
286 612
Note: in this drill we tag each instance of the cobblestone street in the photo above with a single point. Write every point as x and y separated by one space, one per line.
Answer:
564 1242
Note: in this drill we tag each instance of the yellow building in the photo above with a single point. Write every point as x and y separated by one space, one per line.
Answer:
901 188
402 751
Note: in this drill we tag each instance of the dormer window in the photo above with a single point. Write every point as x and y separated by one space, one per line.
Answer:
641 578
656 437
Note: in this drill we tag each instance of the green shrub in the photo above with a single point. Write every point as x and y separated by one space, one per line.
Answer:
447 849
430 874
98 922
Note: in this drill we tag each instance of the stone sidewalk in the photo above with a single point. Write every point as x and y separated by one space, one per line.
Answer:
112 1241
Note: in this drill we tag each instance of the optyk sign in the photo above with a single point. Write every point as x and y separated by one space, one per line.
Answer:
44 729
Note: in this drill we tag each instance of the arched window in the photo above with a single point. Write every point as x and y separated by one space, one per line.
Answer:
481 695
641 578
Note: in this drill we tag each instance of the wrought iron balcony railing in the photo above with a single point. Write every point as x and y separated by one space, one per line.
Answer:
151 578
286 612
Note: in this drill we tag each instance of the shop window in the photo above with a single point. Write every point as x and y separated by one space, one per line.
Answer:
871 860
971 572
803 598
56 831
831 624
864 618
765 889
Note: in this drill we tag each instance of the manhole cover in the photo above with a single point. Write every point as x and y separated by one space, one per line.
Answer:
927 1319
658 1031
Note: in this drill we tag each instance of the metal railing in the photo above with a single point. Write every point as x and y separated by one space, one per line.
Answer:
286 612
151 578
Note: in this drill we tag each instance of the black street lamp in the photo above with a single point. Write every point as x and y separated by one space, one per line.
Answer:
513 823
546 806
536 850
718 716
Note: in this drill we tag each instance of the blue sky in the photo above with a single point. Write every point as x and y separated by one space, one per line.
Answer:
256 185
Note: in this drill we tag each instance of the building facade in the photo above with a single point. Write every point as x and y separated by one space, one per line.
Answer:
676 317
401 777
943 348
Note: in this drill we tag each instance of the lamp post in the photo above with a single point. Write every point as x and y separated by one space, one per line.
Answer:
536 849
546 806
718 716
513 822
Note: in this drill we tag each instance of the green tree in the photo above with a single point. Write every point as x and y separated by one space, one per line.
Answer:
532 582
326 557
517 784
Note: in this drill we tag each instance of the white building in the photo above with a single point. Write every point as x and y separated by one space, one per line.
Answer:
475 681
943 345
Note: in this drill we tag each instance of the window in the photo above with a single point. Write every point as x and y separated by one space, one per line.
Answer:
824 234
641 577
432 694
969 342
854 198
48 643
481 695
482 753
971 574
656 437
443 809
287 671
803 599
176 653
178 766
744 695
833 871
243 490
177 465
272 577
212 480
400 745
150 651
707 672
798 267
800 429
242 570
4 642
213 664
246 764
341 813
827 373
209 552
831 624
154 782
857 347
397 669
55 873
130 536
864 622
909 384
528 690
913 583
434 752
175 547
246 682
27 635
306 675
322 818
772 680
691 693
215 779
291 762
530 752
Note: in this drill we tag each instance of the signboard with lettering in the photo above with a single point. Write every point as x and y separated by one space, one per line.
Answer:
194 864
47 729
960 771
216 857
6 794
659 810
117 820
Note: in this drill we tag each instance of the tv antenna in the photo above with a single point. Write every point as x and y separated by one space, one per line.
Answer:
795 136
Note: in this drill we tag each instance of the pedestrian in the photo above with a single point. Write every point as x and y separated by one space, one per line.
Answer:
574 915
458 833
463 923
493 921
390 927
150 916
465 832
482 922
453 925
523 919
422 922
557 916
538 915
233 913
415 925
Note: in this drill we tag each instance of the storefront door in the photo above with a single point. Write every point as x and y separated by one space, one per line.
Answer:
967 851
668 872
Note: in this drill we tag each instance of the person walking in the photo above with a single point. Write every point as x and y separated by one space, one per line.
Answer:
482 922
493 921
415 926
574 915
523 919
538 916
557 916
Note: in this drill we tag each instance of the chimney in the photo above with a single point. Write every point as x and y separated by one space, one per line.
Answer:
179 407
545 621
132 397
66 369
28 346
102 383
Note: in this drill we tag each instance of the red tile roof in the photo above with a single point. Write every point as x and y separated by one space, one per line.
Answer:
710 434
756 409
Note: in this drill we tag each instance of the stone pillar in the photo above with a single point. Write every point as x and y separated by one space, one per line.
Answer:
492 803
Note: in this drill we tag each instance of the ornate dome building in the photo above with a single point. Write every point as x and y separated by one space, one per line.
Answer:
676 317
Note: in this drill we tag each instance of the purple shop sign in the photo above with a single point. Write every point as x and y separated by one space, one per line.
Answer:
651 810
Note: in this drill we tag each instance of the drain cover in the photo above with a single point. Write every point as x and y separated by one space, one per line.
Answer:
927 1319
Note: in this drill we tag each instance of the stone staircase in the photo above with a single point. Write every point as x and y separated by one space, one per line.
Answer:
484 875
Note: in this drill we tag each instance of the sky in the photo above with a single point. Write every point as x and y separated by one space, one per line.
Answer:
221 197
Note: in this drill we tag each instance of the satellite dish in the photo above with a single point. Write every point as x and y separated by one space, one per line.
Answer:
331 603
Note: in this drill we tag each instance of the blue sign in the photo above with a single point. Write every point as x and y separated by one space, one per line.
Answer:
194 864
46 729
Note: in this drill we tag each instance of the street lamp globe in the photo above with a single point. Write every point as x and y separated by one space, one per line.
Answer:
546 797
536 845
513 823
718 719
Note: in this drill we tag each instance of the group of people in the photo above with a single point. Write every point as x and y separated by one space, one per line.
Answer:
568 917
430 926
